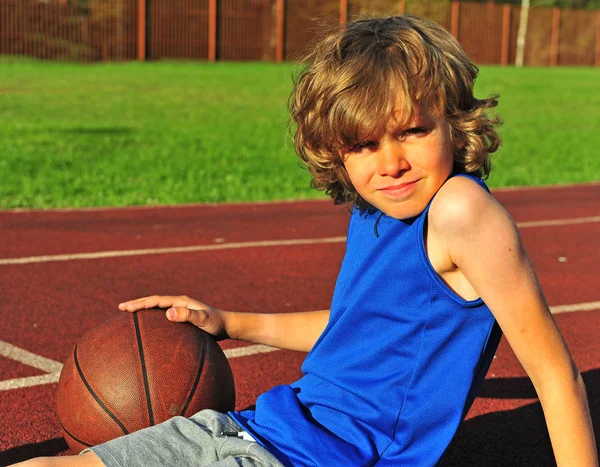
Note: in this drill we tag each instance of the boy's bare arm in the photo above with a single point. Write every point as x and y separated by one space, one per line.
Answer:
483 242
291 331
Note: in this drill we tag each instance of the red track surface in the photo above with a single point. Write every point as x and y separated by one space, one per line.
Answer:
48 305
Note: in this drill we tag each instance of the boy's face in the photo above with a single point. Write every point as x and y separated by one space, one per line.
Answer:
400 170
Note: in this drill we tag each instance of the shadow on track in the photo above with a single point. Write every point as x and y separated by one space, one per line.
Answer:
516 437
49 447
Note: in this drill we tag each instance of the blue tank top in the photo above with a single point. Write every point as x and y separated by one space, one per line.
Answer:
396 368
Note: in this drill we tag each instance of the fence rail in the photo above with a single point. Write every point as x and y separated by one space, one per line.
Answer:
105 30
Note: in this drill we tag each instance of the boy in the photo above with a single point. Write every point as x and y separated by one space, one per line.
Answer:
434 268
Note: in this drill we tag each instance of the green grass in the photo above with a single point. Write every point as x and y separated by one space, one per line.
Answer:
163 133
551 131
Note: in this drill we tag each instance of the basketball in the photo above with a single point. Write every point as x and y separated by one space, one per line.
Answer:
136 370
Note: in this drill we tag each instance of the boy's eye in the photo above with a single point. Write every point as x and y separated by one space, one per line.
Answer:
418 130
363 145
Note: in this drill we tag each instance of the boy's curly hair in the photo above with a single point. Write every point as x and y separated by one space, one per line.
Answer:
353 81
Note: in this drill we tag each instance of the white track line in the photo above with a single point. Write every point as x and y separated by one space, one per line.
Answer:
590 306
23 356
30 381
53 368
248 350
549 223
237 245
162 251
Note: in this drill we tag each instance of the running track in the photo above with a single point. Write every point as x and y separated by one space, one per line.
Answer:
63 272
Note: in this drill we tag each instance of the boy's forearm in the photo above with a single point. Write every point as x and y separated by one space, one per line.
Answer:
291 331
569 424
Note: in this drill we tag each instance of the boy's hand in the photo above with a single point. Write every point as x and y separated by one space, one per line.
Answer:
182 308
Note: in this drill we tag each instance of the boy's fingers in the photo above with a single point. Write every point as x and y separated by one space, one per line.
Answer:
155 301
134 305
196 317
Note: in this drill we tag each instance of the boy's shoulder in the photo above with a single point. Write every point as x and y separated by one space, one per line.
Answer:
461 203
464 221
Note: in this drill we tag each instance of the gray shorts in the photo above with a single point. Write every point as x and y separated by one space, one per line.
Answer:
181 442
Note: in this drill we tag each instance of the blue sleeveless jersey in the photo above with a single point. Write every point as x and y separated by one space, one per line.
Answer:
396 368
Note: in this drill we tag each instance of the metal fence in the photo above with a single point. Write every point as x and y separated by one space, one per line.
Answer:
103 30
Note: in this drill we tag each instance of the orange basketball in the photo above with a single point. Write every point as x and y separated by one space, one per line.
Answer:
136 370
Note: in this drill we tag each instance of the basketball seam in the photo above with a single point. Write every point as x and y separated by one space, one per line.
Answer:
71 435
198 375
94 395
144 370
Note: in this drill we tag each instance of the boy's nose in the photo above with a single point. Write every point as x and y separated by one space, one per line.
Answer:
392 160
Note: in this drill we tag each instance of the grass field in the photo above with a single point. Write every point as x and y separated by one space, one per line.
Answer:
161 133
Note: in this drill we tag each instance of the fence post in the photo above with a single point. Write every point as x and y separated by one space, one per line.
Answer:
522 33
142 36
343 14
401 7
555 36
212 30
598 39
280 30
505 41
454 13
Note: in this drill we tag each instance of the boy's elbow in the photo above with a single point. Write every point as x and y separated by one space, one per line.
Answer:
578 381
580 384
563 384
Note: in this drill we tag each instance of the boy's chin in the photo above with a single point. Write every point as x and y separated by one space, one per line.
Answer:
402 211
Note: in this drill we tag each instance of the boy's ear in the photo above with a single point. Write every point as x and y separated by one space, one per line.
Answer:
459 145
459 140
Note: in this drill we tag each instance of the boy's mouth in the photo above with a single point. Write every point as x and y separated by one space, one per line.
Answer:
398 187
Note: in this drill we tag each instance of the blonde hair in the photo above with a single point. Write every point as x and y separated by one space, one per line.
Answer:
352 81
